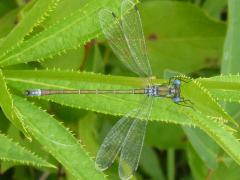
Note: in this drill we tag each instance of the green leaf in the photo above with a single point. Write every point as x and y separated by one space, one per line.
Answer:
225 87
71 32
14 134
57 140
221 133
215 8
164 135
8 108
21 3
208 115
95 61
204 102
71 60
98 64
63 10
231 63
204 146
35 16
231 172
170 164
198 169
7 23
182 37
6 6
4 122
87 130
149 163
13 152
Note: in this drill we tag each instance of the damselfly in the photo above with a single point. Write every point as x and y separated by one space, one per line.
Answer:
125 35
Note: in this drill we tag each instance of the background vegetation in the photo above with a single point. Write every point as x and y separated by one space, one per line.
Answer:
58 44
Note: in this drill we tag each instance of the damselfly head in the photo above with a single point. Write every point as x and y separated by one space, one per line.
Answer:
175 90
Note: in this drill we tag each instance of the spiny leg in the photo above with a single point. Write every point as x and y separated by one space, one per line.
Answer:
186 103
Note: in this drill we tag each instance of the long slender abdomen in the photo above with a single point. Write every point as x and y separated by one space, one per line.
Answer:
44 92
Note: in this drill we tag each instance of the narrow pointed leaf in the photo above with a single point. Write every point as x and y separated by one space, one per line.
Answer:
225 88
213 122
33 17
204 146
57 140
68 33
7 106
222 134
13 152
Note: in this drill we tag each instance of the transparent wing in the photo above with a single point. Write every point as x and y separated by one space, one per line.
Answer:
113 31
112 144
133 143
114 140
133 31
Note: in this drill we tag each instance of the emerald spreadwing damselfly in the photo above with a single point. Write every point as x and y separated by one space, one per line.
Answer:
126 38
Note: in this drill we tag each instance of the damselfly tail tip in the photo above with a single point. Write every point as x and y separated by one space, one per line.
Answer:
33 92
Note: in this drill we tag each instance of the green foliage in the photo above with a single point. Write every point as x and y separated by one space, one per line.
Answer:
230 63
8 108
34 17
13 152
195 38
214 7
186 37
59 142
5 7
7 23
71 32
225 87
